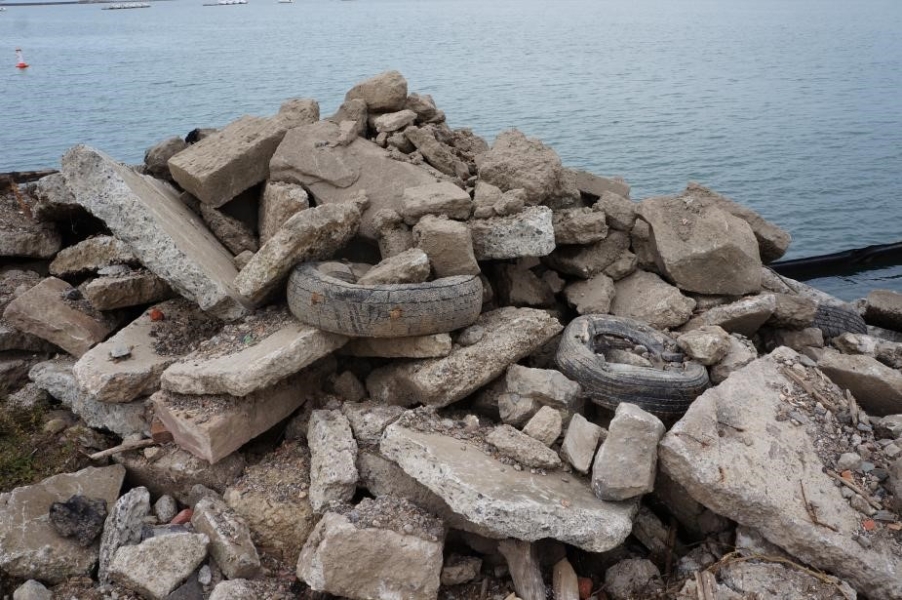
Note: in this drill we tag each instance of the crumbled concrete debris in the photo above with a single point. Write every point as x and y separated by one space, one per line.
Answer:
545 425
123 527
626 464
448 244
580 443
230 538
156 566
333 454
91 255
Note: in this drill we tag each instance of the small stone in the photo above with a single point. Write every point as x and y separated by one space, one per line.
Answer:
545 425
120 351
848 462
32 590
580 443
165 508
625 466
460 569
205 575
522 448
862 506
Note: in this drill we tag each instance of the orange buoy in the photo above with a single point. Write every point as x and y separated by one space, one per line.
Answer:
20 62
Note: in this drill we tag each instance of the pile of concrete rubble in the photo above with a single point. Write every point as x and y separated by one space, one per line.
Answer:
326 356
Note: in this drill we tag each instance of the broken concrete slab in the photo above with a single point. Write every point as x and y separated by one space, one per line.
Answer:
588 261
792 312
123 291
53 201
702 249
30 546
23 236
448 244
230 538
272 497
350 557
439 155
510 334
740 353
580 443
708 345
218 168
647 297
163 233
625 465
333 457
174 471
442 198
368 420
730 470
423 346
158 565
56 377
46 312
13 339
510 503
213 426
877 388
106 379
529 233
311 234
311 156
279 202
518 162
618 209
384 92
91 255
393 121
279 347
596 186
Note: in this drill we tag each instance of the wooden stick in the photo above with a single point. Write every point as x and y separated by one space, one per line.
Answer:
123 447
854 488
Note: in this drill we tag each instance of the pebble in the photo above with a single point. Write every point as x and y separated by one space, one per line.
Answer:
205 575
846 493
891 450
865 427
120 351
866 467
862 541
808 362
54 426
862 506
798 417
848 462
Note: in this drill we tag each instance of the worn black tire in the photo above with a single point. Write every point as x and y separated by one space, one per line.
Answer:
658 391
383 311
836 320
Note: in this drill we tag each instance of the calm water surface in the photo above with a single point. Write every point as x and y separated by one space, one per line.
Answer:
792 107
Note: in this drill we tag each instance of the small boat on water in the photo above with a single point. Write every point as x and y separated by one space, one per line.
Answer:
2 9
226 3
126 5
285 1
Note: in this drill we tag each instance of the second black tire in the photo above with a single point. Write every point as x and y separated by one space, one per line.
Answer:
836 320
383 311
658 391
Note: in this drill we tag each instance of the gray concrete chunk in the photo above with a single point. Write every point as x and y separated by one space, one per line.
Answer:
230 538
333 456
163 233
625 465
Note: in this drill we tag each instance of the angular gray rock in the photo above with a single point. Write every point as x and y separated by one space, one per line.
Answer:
703 249
596 186
45 312
647 297
158 565
518 162
272 497
510 334
591 296
32 590
632 578
230 538
732 474
443 198
410 266
590 260
23 236
448 244
218 168
545 426
360 560
545 385
522 448
529 233
793 312
507 502
164 234
156 159
744 316
393 121
884 308
30 546
313 157
234 234
311 234
740 353
708 345
279 202
773 241
579 226
580 443
130 289
626 464
122 528
333 457
384 92
619 210
91 255
877 388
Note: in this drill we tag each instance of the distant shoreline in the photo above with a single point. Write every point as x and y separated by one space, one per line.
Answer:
59 2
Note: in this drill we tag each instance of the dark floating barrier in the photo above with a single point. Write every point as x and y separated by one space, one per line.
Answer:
847 262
